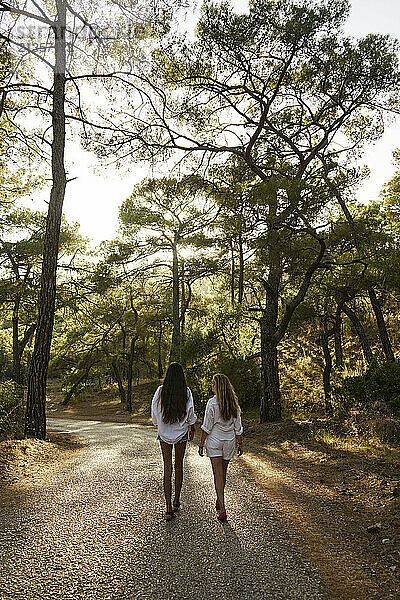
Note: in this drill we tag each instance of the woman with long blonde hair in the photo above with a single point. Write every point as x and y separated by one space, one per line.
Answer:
221 431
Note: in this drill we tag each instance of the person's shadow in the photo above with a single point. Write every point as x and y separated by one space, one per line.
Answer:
231 539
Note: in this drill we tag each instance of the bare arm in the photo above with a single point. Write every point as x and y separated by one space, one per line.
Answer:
207 426
192 417
204 436
238 427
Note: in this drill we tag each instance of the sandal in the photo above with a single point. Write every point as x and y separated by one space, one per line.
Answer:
175 506
222 518
169 516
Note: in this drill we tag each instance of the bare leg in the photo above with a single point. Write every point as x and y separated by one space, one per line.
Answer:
225 464
166 450
179 455
219 471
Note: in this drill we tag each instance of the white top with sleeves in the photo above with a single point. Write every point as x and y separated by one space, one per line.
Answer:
216 427
172 432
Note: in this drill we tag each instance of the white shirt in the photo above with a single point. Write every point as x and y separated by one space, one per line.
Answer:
172 432
216 426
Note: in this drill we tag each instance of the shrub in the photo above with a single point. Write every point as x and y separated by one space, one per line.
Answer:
243 374
11 410
372 426
378 386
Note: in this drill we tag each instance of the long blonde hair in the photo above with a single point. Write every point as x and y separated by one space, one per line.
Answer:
226 397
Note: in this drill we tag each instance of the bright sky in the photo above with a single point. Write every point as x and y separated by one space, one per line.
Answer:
93 198
377 16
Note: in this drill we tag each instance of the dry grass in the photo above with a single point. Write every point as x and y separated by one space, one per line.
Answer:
32 462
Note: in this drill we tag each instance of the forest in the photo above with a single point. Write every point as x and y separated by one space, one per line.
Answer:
245 249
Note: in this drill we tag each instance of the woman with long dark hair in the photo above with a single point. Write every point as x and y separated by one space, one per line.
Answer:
221 432
172 412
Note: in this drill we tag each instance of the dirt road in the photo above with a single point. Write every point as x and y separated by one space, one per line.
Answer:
96 531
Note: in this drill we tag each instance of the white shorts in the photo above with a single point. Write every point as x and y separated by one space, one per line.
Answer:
222 448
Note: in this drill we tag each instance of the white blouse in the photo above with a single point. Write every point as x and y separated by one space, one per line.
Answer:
217 427
172 432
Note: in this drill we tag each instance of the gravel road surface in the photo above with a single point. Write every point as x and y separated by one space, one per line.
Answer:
95 531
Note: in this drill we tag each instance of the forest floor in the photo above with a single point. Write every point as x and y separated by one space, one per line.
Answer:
28 462
99 405
340 495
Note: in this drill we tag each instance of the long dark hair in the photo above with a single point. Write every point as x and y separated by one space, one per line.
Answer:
174 394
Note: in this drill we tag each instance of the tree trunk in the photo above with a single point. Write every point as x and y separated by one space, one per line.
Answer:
26 339
35 421
270 408
118 379
186 299
241 271
383 334
232 274
272 334
366 348
83 377
338 339
183 308
159 354
182 318
175 354
324 339
15 342
130 375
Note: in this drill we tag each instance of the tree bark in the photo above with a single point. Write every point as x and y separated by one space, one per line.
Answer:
35 421
175 354
366 348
